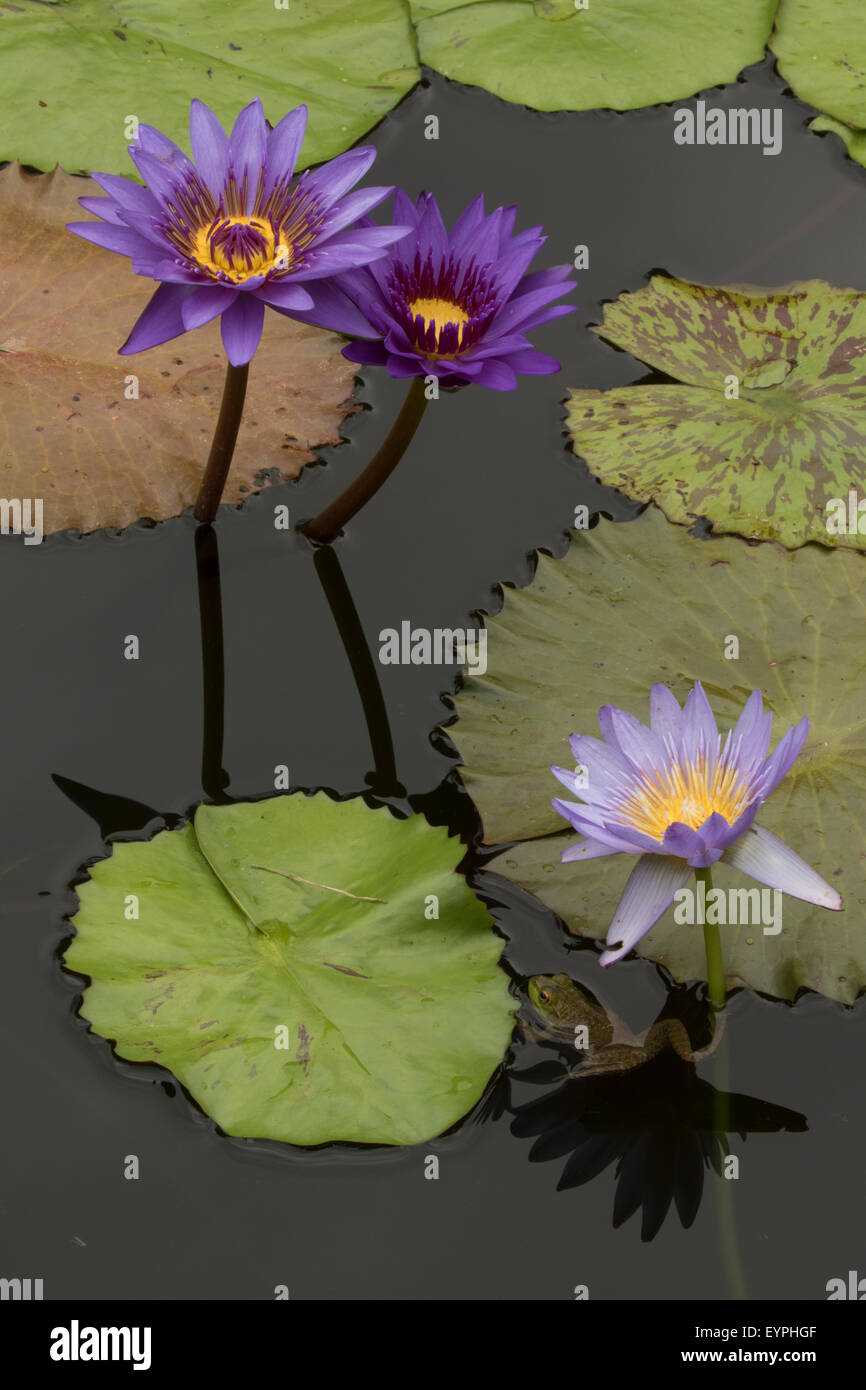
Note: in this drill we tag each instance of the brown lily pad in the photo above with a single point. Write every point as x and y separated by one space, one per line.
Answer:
72 431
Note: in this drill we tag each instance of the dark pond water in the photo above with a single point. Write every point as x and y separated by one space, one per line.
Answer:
489 478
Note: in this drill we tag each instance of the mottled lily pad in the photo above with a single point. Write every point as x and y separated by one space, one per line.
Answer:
821 50
104 440
73 74
640 602
768 437
286 966
612 53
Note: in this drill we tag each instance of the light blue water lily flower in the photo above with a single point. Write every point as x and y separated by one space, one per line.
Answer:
672 794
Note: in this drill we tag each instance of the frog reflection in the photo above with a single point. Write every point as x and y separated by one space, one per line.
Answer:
633 1100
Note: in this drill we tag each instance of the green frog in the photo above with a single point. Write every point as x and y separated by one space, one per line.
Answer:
572 1015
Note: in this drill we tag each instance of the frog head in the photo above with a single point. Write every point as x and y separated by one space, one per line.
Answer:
557 998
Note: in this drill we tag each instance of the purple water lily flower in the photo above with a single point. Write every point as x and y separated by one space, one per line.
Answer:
231 232
673 794
457 305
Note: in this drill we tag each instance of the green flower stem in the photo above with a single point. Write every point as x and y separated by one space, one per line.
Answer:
223 445
334 517
713 946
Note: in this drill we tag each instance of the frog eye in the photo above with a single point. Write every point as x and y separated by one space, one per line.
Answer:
544 995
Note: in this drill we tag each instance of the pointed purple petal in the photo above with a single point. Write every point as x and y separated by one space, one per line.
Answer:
152 141
124 240
466 226
403 367
780 762
204 304
128 195
283 296
516 311
241 327
666 717
431 232
367 354
699 733
107 209
284 146
162 178
346 250
330 181
528 362
555 311
768 859
495 375
161 321
587 822
405 210
649 892
246 152
635 741
210 147
350 209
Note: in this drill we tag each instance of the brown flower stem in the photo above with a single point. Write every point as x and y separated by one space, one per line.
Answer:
214 778
333 518
224 440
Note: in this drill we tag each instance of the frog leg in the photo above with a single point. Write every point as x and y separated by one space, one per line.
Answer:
615 1057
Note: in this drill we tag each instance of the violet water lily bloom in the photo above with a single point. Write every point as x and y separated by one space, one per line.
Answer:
231 232
457 305
672 794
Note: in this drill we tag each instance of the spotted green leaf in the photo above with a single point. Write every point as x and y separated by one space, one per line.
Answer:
286 964
640 602
73 74
612 53
768 436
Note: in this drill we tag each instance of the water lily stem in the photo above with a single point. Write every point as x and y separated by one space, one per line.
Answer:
214 778
223 445
713 947
334 517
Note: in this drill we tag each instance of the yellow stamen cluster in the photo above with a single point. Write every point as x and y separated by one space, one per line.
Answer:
271 254
688 794
437 313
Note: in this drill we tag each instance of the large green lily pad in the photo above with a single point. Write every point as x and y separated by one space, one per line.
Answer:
613 53
777 461
821 50
640 602
103 440
73 73
392 1020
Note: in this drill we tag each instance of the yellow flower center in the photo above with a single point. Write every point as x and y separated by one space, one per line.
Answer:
437 313
688 795
237 247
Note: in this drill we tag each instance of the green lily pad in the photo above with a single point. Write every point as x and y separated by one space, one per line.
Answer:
640 602
821 50
283 968
776 462
72 74
613 53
